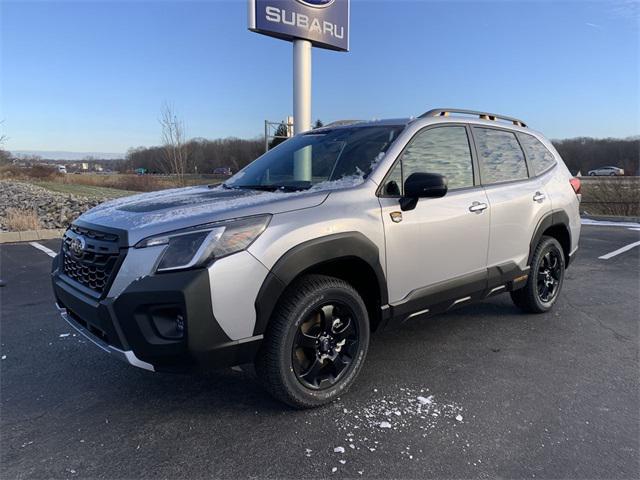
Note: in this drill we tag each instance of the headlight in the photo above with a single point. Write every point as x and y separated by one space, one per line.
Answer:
197 246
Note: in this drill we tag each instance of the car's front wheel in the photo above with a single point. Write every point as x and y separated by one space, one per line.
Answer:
545 278
316 342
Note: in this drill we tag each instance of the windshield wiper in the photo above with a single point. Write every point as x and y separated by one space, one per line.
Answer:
275 188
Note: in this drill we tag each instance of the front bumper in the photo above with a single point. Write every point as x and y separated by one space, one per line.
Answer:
141 325
126 356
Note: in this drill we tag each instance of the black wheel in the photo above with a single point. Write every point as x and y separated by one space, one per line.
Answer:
316 342
545 278
592 174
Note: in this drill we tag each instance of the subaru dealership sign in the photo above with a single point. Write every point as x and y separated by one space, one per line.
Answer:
325 23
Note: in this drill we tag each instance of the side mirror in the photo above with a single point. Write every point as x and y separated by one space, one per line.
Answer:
422 185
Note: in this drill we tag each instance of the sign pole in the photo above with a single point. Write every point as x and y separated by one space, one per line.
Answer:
301 85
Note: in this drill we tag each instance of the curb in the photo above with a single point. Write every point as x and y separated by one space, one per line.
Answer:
31 235
611 218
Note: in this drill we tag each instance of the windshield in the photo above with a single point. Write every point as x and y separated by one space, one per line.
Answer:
317 156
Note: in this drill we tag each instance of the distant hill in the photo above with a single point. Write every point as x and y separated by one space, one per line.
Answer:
70 156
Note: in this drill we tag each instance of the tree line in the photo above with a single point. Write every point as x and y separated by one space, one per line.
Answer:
200 156
584 153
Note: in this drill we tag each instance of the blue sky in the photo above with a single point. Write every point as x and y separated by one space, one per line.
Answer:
92 76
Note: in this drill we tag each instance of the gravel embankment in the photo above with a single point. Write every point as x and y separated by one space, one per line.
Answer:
55 210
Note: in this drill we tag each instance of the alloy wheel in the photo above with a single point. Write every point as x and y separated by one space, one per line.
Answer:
325 346
549 276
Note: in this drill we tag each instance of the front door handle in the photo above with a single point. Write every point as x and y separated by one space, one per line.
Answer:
477 207
539 197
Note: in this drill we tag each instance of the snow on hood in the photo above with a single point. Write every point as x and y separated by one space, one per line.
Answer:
165 210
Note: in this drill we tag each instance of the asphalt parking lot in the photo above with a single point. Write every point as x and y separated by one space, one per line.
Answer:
502 394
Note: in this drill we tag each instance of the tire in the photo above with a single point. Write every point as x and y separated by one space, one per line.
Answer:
546 277
592 174
316 342
612 174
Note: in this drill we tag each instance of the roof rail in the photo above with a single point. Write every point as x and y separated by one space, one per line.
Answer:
444 112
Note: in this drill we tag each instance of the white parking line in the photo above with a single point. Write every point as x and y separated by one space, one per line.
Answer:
44 249
603 223
619 251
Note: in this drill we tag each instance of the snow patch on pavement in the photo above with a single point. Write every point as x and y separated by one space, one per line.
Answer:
388 418
406 408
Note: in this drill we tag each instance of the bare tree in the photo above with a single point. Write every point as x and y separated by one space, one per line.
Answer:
173 143
5 157
3 137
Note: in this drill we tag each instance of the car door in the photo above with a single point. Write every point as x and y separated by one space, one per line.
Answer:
518 199
442 243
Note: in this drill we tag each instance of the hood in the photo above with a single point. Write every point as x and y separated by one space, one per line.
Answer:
166 210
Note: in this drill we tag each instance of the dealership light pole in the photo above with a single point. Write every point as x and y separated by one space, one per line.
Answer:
301 85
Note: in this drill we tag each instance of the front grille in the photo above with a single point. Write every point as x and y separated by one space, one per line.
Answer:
96 263
94 234
94 273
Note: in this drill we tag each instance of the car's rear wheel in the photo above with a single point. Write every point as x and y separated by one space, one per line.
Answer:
545 278
316 342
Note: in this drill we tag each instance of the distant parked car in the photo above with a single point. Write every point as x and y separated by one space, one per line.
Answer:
62 169
222 171
607 171
141 171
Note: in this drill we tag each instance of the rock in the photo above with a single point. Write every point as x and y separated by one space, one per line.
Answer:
55 210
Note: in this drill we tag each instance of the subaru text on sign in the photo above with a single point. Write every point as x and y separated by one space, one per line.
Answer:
325 23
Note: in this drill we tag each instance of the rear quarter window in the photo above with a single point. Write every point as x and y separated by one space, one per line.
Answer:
539 157
501 157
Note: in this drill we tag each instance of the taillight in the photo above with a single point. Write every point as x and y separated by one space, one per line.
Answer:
576 185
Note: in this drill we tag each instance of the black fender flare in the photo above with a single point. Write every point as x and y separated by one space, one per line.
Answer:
309 254
551 219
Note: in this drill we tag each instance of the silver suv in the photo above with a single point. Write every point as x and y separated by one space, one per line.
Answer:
334 234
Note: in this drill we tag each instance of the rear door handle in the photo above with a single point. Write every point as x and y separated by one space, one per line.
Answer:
539 197
478 207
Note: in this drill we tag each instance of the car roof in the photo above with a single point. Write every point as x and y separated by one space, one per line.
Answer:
403 122
438 116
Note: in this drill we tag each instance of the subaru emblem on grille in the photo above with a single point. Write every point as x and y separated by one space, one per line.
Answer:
77 246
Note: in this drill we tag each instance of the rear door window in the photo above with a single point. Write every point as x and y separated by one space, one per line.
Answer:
539 157
501 158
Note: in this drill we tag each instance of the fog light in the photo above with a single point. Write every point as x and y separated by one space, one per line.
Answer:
168 321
